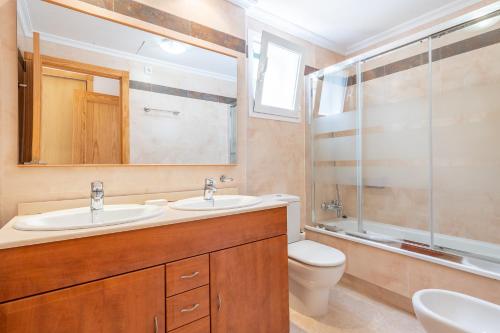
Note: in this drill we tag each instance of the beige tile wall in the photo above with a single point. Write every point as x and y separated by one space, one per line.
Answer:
276 150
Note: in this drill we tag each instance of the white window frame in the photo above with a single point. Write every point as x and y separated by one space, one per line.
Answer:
256 109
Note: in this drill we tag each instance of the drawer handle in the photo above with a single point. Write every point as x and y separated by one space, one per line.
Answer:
190 276
191 309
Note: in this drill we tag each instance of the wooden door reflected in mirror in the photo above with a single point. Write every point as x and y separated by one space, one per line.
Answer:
83 116
94 91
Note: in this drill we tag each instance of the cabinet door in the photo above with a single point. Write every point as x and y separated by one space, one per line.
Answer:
249 288
133 302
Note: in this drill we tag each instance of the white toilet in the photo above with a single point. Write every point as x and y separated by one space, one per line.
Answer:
313 268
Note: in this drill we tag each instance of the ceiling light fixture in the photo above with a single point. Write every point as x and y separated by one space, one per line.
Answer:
173 46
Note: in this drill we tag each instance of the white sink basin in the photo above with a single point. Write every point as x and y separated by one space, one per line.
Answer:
219 202
443 311
81 218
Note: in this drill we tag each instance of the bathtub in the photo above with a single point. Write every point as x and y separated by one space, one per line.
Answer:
465 254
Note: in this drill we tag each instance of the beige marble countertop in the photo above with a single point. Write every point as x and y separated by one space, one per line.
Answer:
10 237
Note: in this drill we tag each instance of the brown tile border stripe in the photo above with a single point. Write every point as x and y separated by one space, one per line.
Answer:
354 132
470 44
308 70
345 163
156 88
107 4
373 163
163 19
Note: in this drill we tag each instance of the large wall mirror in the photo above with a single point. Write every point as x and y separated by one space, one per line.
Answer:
92 91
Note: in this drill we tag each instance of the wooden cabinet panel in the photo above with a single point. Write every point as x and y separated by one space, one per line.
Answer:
199 326
127 304
187 307
249 288
187 274
35 269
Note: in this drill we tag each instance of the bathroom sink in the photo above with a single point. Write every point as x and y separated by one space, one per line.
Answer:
443 311
81 218
219 202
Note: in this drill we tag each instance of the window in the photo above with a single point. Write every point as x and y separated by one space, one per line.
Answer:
276 67
332 91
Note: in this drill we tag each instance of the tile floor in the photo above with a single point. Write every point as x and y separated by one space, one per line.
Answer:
352 312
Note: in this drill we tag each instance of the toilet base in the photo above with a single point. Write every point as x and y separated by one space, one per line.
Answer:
311 302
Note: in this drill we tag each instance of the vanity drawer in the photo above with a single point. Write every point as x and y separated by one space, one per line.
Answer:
199 326
187 274
187 307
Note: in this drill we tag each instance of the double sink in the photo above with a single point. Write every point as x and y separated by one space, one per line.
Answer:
82 218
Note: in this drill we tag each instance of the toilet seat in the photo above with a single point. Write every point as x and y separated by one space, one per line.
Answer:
315 254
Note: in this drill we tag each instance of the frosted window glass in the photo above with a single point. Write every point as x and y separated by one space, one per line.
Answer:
333 93
280 79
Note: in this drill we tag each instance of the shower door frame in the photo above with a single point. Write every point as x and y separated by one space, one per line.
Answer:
357 61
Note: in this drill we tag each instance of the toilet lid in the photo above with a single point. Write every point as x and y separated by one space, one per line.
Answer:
315 254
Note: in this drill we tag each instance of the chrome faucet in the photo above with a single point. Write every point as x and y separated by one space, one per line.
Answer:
334 205
225 179
210 189
96 195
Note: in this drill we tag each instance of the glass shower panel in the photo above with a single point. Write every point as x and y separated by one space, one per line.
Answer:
333 122
466 133
396 145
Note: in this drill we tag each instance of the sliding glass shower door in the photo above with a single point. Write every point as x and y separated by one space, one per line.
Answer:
466 137
334 151
404 144
396 143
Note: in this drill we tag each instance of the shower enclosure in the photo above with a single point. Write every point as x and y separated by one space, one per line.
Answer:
405 144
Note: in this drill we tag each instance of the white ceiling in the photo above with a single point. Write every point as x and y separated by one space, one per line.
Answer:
62 25
346 26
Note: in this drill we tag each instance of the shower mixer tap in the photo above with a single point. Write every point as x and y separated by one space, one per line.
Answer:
334 205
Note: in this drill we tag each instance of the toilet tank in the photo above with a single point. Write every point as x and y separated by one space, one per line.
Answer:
292 212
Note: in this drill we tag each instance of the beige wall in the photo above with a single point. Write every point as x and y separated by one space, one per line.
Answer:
276 165
277 150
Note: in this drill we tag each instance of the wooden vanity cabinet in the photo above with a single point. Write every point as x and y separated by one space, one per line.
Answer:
221 275
249 288
127 303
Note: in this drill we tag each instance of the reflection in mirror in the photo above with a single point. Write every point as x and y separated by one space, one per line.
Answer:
92 91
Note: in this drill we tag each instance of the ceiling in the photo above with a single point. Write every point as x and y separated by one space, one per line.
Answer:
79 30
347 26
343 26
